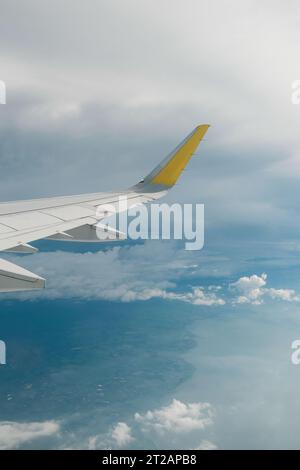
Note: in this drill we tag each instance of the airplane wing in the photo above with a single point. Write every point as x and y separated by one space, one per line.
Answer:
74 218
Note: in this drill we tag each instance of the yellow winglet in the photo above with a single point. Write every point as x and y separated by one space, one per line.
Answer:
168 172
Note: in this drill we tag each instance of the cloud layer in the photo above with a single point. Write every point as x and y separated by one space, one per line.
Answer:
253 290
177 417
14 435
170 424
131 274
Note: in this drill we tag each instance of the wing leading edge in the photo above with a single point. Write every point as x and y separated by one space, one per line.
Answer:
74 217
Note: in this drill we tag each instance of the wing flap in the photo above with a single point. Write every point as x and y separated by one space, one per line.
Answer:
15 278
22 248
27 236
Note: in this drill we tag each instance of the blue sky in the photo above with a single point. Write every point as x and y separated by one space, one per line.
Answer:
148 345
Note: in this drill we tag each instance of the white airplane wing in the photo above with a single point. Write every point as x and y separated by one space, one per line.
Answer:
74 218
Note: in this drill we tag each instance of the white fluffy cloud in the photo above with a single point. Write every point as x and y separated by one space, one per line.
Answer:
178 417
121 434
13 434
170 424
200 297
289 295
250 288
254 290
197 296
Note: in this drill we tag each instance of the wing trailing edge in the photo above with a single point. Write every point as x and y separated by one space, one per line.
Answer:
15 278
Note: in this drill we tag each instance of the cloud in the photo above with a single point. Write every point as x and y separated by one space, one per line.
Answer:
283 294
13 434
128 274
178 417
253 290
198 296
206 445
121 434
250 288
170 423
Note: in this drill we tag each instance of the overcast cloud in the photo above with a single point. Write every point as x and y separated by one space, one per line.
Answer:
99 92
